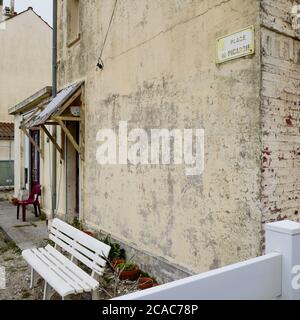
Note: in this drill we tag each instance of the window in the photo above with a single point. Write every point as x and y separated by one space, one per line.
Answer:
73 21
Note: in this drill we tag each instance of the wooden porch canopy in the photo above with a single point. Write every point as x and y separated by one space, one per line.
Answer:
55 113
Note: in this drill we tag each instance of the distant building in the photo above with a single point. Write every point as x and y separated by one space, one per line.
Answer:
6 155
25 67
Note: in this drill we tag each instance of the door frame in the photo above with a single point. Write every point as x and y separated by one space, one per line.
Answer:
34 133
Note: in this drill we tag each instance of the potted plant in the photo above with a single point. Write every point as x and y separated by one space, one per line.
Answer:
90 233
128 271
115 262
145 283
116 254
14 201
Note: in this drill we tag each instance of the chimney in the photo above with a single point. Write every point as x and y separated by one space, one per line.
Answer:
12 7
6 12
1 10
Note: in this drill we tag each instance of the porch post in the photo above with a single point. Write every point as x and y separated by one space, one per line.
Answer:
284 237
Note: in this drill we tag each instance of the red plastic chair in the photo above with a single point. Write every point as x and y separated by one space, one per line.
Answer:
34 200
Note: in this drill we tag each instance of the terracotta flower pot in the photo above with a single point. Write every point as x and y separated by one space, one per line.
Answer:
115 262
14 201
90 233
145 283
129 275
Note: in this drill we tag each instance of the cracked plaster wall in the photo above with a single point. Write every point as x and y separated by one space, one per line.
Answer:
160 72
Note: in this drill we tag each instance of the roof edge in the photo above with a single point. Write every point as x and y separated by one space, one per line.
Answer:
31 101
27 10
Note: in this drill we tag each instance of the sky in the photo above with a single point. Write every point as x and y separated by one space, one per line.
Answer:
42 7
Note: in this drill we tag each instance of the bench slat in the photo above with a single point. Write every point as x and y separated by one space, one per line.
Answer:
47 273
90 281
97 246
40 253
68 274
77 246
77 255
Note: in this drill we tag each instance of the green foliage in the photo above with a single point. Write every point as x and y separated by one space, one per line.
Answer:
126 266
116 252
25 294
43 216
50 242
11 245
77 224
147 275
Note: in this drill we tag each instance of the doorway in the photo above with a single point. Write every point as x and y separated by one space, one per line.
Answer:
34 164
72 171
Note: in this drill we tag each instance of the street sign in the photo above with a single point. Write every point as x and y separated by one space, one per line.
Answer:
235 45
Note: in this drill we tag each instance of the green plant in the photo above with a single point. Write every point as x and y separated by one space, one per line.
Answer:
77 224
43 216
126 266
147 275
11 245
25 294
116 252
50 242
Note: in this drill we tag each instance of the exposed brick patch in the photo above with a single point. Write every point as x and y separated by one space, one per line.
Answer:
280 106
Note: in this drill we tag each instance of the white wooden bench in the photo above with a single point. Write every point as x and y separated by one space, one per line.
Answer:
62 273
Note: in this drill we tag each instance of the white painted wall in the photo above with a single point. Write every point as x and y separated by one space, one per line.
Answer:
25 61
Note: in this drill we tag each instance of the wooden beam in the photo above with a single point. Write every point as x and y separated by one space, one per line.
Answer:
82 123
70 137
24 123
59 149
68 118
32 141
51 123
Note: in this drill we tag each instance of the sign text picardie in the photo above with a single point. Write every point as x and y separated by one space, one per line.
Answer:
235 45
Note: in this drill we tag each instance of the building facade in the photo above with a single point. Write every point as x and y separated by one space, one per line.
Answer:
154 64
25 67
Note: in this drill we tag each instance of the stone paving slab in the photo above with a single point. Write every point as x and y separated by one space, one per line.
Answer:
31 233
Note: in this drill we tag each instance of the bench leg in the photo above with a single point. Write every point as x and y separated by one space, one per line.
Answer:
34 278
96 294
31 278
18 211
45 290
48 292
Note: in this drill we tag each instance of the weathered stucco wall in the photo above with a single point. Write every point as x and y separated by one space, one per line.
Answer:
25 62
280 112
160 72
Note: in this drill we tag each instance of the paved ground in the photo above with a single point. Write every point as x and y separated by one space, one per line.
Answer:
25 234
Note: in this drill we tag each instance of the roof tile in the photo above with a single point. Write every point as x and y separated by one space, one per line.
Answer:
7 131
